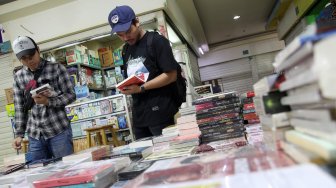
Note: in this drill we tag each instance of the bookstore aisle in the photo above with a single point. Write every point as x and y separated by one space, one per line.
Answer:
280 135
218 143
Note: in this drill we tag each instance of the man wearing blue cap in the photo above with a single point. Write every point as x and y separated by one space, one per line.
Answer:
153 104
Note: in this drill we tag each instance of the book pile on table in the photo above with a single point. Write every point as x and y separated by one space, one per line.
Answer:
176 141
88 174
217 170
219 117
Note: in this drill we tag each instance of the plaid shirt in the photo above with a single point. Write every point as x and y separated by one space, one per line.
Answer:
41 120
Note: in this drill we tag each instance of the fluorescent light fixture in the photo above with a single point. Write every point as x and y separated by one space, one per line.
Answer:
98 37
205 47
200 50
68 45
236 17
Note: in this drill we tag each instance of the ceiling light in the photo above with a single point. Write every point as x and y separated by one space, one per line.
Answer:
98 37
236 17
200 50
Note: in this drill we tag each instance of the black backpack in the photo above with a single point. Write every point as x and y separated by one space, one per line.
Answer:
180 85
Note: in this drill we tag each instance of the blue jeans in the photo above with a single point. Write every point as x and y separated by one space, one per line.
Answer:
55 147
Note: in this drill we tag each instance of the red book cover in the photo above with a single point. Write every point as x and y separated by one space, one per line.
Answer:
250 116
137 79
83 173
250 94
249 106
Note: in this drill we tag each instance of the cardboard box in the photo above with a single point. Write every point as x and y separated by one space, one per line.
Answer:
106 57
9 95
73 56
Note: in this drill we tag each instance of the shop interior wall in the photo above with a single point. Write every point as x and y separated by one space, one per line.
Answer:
70 17
187 22
232 51
245 61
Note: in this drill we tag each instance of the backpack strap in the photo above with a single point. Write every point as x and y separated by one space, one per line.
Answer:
149 46
150 50
124 55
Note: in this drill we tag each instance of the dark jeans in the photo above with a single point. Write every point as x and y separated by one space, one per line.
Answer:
55 147
142 132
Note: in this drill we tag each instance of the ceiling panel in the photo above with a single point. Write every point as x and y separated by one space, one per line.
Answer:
217 18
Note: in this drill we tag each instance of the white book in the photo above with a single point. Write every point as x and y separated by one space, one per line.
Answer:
303 95
326 127
45 90
324 58
142 143
321 147
303 78
264 85
322 115
300 155
303 65
285 63
280 120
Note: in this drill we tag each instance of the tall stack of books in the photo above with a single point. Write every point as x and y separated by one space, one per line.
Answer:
219 117
249 113
254 133
309 67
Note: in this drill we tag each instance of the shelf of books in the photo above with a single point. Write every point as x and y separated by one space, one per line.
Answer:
110 110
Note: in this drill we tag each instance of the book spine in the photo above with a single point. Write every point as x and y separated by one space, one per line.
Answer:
248 111
222 122
212 137
215 107
227 117
217 113
215 98
224 129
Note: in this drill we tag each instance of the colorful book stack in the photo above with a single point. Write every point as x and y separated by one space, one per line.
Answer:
249 113
254 133
219 117
309 68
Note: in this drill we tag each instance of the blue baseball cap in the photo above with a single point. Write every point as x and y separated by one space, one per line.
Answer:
121 18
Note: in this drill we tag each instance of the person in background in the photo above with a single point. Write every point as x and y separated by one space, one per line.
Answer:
42 116
216 87
153 105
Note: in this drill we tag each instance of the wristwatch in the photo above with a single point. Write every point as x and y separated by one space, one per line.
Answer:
142 88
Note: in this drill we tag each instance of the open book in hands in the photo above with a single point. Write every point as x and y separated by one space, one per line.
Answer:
45 90
135 79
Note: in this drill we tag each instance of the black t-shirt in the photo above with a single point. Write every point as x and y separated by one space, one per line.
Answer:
155 107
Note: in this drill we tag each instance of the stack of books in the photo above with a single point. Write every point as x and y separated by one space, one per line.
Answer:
87 174
273 115
186 170
309 69
249 113
219 117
